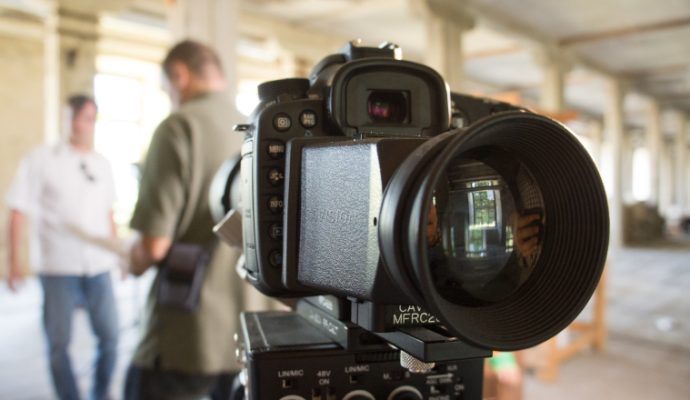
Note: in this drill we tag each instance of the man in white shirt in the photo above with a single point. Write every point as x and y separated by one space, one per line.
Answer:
67 193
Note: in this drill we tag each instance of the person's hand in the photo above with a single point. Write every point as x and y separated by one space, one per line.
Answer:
123 266
15 277
124 254
527 233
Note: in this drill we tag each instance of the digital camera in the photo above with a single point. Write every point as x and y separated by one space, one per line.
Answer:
372 182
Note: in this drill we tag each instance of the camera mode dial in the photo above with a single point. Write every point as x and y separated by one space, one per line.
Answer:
294 88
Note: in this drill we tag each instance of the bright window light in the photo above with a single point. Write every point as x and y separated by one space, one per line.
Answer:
131 103
247 97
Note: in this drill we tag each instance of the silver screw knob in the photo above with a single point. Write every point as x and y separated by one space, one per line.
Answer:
413 364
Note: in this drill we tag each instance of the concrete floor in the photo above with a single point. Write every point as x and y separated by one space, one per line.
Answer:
647 357
648 351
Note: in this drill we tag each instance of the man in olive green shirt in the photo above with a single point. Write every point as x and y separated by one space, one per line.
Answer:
183 353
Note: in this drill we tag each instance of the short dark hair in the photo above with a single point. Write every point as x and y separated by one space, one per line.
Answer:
78 101
195 55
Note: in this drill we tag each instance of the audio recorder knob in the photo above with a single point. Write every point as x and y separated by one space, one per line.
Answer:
359 395
405 393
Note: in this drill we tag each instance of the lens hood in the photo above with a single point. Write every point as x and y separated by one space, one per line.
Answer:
574 242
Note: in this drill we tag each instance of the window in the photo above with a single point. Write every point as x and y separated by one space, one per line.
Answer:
131 103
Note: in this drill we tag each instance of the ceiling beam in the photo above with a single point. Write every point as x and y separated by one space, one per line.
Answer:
497 52
591 37
502 22
650 73
290 36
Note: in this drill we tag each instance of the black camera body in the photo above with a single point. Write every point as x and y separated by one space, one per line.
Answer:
371 181
295 117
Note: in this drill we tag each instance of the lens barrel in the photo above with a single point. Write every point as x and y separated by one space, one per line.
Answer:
489 290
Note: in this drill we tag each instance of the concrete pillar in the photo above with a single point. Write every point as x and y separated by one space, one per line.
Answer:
75 46
21 108
654 141
446 20
666 177
555 69
681 151
51 78
213 22
288 64
631 142
72 33
613 139
595 134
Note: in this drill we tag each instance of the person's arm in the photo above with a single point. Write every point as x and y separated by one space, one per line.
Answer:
146 252
16 231
161 195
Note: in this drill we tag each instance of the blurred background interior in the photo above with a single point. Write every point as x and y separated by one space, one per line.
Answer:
617 72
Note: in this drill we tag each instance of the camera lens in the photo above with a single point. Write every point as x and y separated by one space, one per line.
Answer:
386 106
500 230
481 245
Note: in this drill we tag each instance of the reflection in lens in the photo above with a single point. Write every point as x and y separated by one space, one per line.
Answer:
484 232
387 106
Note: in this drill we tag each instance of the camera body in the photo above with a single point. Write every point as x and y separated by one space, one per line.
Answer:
371 181
318 159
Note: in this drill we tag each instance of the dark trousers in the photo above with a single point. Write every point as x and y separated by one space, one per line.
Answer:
156 384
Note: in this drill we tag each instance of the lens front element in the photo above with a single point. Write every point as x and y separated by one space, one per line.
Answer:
482 244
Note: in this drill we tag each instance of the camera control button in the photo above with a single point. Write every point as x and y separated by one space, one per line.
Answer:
275 258
275 231
276 176
276 149
282 122
308 119
275 204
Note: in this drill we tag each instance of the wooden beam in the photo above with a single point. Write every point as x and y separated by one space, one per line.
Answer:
501 21
650 72
497 52
625 31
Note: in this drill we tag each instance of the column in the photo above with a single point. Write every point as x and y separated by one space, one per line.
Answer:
681 151
75 44
632 140
595 133
72 36
555 69
51 91
613 139
213 22
288 64
666 178
654 138
445 23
